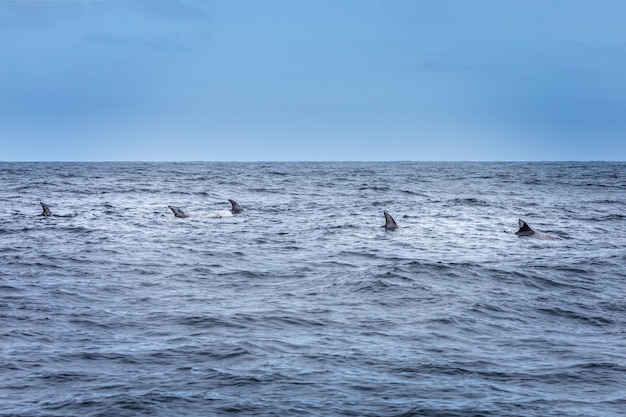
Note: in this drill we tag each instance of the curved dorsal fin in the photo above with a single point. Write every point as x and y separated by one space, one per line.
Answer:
524 229
46 210
390 223
177 212
235 208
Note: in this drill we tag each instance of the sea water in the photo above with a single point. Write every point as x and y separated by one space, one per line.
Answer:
303 305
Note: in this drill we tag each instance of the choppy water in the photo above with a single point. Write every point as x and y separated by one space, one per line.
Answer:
303 305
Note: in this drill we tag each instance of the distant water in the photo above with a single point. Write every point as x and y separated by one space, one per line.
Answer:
303 305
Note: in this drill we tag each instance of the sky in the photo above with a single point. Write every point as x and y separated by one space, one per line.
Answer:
321 80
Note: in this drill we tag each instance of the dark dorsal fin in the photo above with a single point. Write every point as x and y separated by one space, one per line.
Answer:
390 223
524 229
177 212
236 208
46 211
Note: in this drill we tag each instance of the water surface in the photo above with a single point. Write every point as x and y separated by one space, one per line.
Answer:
303 305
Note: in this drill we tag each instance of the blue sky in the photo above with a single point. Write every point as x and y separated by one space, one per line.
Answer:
247 80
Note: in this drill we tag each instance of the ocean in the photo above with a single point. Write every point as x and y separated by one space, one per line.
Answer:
303 305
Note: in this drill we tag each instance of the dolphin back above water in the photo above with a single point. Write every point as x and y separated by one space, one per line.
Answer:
235 208
524 229
390 223
46 211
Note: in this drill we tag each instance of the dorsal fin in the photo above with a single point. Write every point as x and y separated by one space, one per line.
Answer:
390 223
177 212
235 208
46 211
524 229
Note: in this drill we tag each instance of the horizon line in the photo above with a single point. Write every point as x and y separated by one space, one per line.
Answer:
323 161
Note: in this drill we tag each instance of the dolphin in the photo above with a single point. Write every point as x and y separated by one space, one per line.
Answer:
236 208
524 229
177 212
390 223
46 211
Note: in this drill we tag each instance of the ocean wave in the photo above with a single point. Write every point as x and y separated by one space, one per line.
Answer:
302 304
